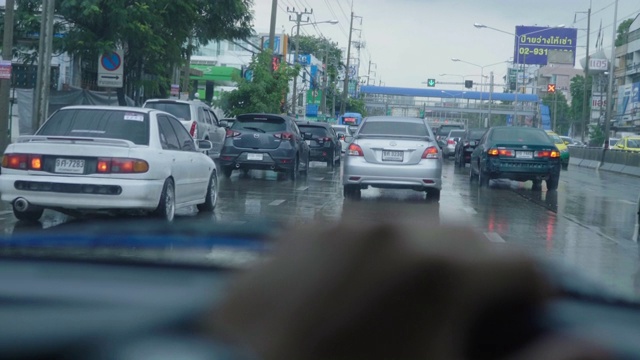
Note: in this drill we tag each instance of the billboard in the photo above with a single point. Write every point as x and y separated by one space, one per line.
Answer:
629 102
280 43
532 43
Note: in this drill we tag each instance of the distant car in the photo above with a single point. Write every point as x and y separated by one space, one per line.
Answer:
323 142
466 145
197 117
265 142
571 142
562 147
451 141
342 131
443 130
516 153
393 152
612 142
108 158
629 143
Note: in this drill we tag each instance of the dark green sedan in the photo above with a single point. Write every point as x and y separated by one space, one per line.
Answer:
516 153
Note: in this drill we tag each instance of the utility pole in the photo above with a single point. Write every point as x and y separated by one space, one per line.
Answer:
5 84
610 107
586 114
298 20
555 109
488 120
43 80
369 72
323 102
345 91
272 27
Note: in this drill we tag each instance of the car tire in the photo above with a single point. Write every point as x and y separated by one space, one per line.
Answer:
553 182
331 162
537 185
483 178
352 191
433 195
293 173
32 214
305 171
472 175
211 199
166 209
226 171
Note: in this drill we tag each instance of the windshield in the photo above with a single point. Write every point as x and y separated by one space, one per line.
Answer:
403 128
99 123
105 84
180 110
316 131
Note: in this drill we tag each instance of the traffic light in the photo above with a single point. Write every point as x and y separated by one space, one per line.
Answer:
468 84
431 82
551 88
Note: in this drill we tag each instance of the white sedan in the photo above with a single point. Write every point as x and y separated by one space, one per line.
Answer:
99 158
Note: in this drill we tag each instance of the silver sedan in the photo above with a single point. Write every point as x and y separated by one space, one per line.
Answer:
393 152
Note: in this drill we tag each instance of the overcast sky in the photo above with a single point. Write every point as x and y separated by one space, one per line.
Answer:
412 40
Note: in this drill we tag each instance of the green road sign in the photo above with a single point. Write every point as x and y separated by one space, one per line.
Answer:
431 82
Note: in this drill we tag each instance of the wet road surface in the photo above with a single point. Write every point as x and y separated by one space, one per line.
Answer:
590 223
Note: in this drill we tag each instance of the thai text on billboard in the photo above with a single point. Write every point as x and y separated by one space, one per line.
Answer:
532 43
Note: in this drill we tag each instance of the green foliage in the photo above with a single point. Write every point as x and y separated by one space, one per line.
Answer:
266 92
577 96
319 47
557 104
596 135
623 32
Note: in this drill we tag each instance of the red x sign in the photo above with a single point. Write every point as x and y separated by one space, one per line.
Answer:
551 88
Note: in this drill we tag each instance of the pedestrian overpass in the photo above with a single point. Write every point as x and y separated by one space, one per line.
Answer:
438 104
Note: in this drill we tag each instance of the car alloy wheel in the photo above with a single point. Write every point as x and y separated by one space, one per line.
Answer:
211 198
167 207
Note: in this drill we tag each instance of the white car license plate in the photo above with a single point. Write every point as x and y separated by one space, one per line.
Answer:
69 166
254 157
524 154
392 155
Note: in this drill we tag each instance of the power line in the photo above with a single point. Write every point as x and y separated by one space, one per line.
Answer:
626 17
342 10
596 12
344 32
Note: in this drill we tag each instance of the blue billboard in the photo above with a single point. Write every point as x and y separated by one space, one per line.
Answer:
532 43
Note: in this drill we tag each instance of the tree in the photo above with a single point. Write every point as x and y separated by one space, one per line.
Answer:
577 88
265 93
623 32
558 105
596 135
317 46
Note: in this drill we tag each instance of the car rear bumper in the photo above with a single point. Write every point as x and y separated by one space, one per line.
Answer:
321 154
426 174
82 192
270 161
522 170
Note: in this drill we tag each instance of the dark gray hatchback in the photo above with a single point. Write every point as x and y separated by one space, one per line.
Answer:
265 142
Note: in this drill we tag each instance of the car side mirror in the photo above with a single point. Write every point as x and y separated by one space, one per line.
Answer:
566 142
224 124
340 136
205 145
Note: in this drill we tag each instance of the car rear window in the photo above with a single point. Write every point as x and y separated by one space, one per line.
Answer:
316 131
633 143
476 135
179 110
445 130
403 128
99 123
520 135
266 124
457 133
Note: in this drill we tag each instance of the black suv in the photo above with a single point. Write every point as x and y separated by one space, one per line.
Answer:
323 142
265 142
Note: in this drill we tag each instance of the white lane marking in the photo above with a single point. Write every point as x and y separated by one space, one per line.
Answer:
470 210
622 201
317 179
302 188
276 202
494 237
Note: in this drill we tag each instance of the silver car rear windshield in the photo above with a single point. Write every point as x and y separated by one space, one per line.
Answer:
397 128
99 123
179 110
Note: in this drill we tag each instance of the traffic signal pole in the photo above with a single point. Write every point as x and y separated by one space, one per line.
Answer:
5 84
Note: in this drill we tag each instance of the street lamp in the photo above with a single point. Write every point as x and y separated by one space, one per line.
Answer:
294 99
